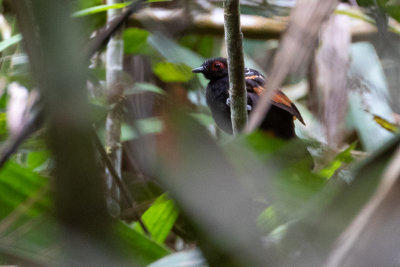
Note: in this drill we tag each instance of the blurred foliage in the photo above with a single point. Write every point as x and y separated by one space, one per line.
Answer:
135 41
169 72
206 198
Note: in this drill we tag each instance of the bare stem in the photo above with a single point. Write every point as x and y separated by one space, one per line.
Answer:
237 88
114 64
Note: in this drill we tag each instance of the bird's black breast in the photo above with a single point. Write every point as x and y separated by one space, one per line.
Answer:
216 96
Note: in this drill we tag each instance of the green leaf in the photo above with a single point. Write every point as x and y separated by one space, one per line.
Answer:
159 218
135 42
10 41
16 185
98 9
141 248
37 158
28 231
170 72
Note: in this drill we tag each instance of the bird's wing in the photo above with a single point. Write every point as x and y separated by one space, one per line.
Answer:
255 82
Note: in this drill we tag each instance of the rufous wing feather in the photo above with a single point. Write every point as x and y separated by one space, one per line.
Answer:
255 84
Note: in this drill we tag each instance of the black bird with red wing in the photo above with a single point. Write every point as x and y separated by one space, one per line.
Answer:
279 120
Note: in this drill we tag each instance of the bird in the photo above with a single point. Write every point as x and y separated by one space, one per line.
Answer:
279 120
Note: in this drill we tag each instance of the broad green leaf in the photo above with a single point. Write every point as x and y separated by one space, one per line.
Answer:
16 185
170 72
159 218
141 248
135 42
37 158
39 241
28 231
10 41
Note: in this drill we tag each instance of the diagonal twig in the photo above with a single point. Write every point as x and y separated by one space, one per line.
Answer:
124 189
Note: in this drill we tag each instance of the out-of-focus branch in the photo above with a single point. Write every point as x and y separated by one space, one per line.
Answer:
237 88
253 27
328 78
296 47
114 66
60 73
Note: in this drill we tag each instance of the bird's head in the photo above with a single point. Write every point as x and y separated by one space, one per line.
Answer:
213 69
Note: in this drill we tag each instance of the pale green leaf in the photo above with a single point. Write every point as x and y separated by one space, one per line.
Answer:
160 218
10 41
170 72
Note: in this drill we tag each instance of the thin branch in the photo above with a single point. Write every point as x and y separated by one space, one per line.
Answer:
234 44
118 180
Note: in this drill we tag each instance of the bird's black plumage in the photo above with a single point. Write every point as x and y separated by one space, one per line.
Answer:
279 119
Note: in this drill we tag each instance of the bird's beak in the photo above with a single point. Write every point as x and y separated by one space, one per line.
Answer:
198 70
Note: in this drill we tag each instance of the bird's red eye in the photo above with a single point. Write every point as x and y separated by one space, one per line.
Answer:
217 66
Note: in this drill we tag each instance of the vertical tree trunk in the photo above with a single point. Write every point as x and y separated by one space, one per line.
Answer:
237 88
114 66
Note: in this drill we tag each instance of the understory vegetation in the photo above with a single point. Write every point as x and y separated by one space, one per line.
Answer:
109 154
